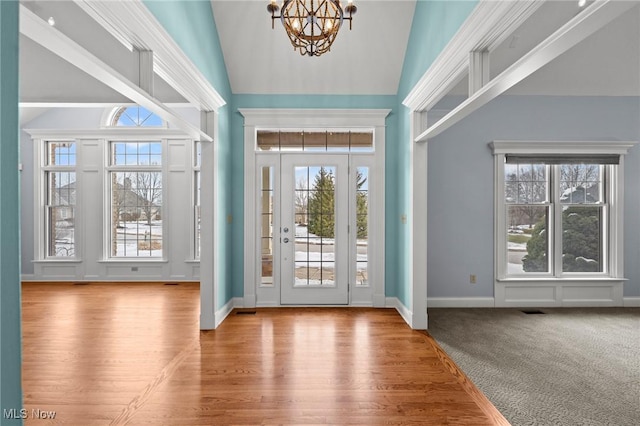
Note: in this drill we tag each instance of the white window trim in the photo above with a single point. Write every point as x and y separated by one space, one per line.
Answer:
307 119
110 168
41 232
103 136
597 289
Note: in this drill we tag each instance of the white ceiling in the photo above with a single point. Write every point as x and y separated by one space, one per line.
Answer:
366 60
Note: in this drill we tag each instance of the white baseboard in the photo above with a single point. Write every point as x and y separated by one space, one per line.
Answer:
223 313
631 302
460 302
405 313
27 277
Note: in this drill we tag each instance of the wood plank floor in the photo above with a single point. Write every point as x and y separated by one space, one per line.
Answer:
112 354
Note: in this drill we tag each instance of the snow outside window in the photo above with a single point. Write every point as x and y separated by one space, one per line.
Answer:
556 218
135 177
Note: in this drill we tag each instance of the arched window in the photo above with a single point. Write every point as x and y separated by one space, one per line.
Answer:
135 116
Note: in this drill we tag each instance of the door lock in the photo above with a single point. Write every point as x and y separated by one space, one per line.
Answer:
285 240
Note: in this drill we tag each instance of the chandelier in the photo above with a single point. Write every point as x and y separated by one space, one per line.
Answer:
312 25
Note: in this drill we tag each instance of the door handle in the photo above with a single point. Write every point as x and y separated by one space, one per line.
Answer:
285 240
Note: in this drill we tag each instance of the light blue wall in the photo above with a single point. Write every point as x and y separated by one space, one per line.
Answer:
10 336
192 26
303 101
461 181
434 24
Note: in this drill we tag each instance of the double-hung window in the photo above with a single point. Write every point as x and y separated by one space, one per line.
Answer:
558 211
60 199
135 179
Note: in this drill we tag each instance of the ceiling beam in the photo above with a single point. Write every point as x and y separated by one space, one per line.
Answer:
132 23
596 16
50 38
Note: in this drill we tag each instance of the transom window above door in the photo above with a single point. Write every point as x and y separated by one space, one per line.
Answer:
318 141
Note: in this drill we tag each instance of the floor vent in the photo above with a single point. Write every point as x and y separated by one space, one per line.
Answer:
170 283
245 312
532 312
80 283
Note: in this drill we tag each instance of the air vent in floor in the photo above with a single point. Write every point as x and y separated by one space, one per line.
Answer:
532 312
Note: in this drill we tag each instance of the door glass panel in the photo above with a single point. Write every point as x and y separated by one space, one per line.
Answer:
266 225
315 226
362 226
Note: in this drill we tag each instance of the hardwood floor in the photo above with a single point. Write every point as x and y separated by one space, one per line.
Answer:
112 354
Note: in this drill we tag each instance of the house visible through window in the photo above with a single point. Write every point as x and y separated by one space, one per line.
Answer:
60 196
556 217
135 175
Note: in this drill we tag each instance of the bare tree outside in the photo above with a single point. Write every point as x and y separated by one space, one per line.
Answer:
301 200
148 187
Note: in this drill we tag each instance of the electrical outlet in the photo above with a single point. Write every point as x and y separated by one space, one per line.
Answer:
472 278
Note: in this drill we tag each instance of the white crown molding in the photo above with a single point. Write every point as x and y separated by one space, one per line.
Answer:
133 24
487 26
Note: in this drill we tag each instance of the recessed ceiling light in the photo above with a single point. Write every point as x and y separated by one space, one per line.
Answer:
581 3
51 21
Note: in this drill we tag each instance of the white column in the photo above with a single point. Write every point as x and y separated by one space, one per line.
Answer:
418 225
208 223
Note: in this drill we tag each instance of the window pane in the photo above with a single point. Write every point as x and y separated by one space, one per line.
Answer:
314 239
582 239
309 140
266 225
362 226
526 183
136 116
136 209
60 213
61 154
136 153
581 183
528 239
61 230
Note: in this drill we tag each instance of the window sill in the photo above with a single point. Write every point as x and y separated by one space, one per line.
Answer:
136 260
74 260
192 261
564 280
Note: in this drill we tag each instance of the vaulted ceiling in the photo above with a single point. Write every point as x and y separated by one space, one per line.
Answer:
367 60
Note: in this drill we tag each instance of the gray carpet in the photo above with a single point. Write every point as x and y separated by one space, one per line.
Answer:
570 366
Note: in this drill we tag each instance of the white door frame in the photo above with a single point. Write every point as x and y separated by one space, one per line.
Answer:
308 118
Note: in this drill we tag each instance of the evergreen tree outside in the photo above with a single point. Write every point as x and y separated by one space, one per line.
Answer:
322 205
580 242
362 206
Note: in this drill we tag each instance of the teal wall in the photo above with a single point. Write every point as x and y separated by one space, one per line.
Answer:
434 24
303 101
10 336
191 25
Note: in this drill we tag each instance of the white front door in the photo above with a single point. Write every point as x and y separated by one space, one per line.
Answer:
314 225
